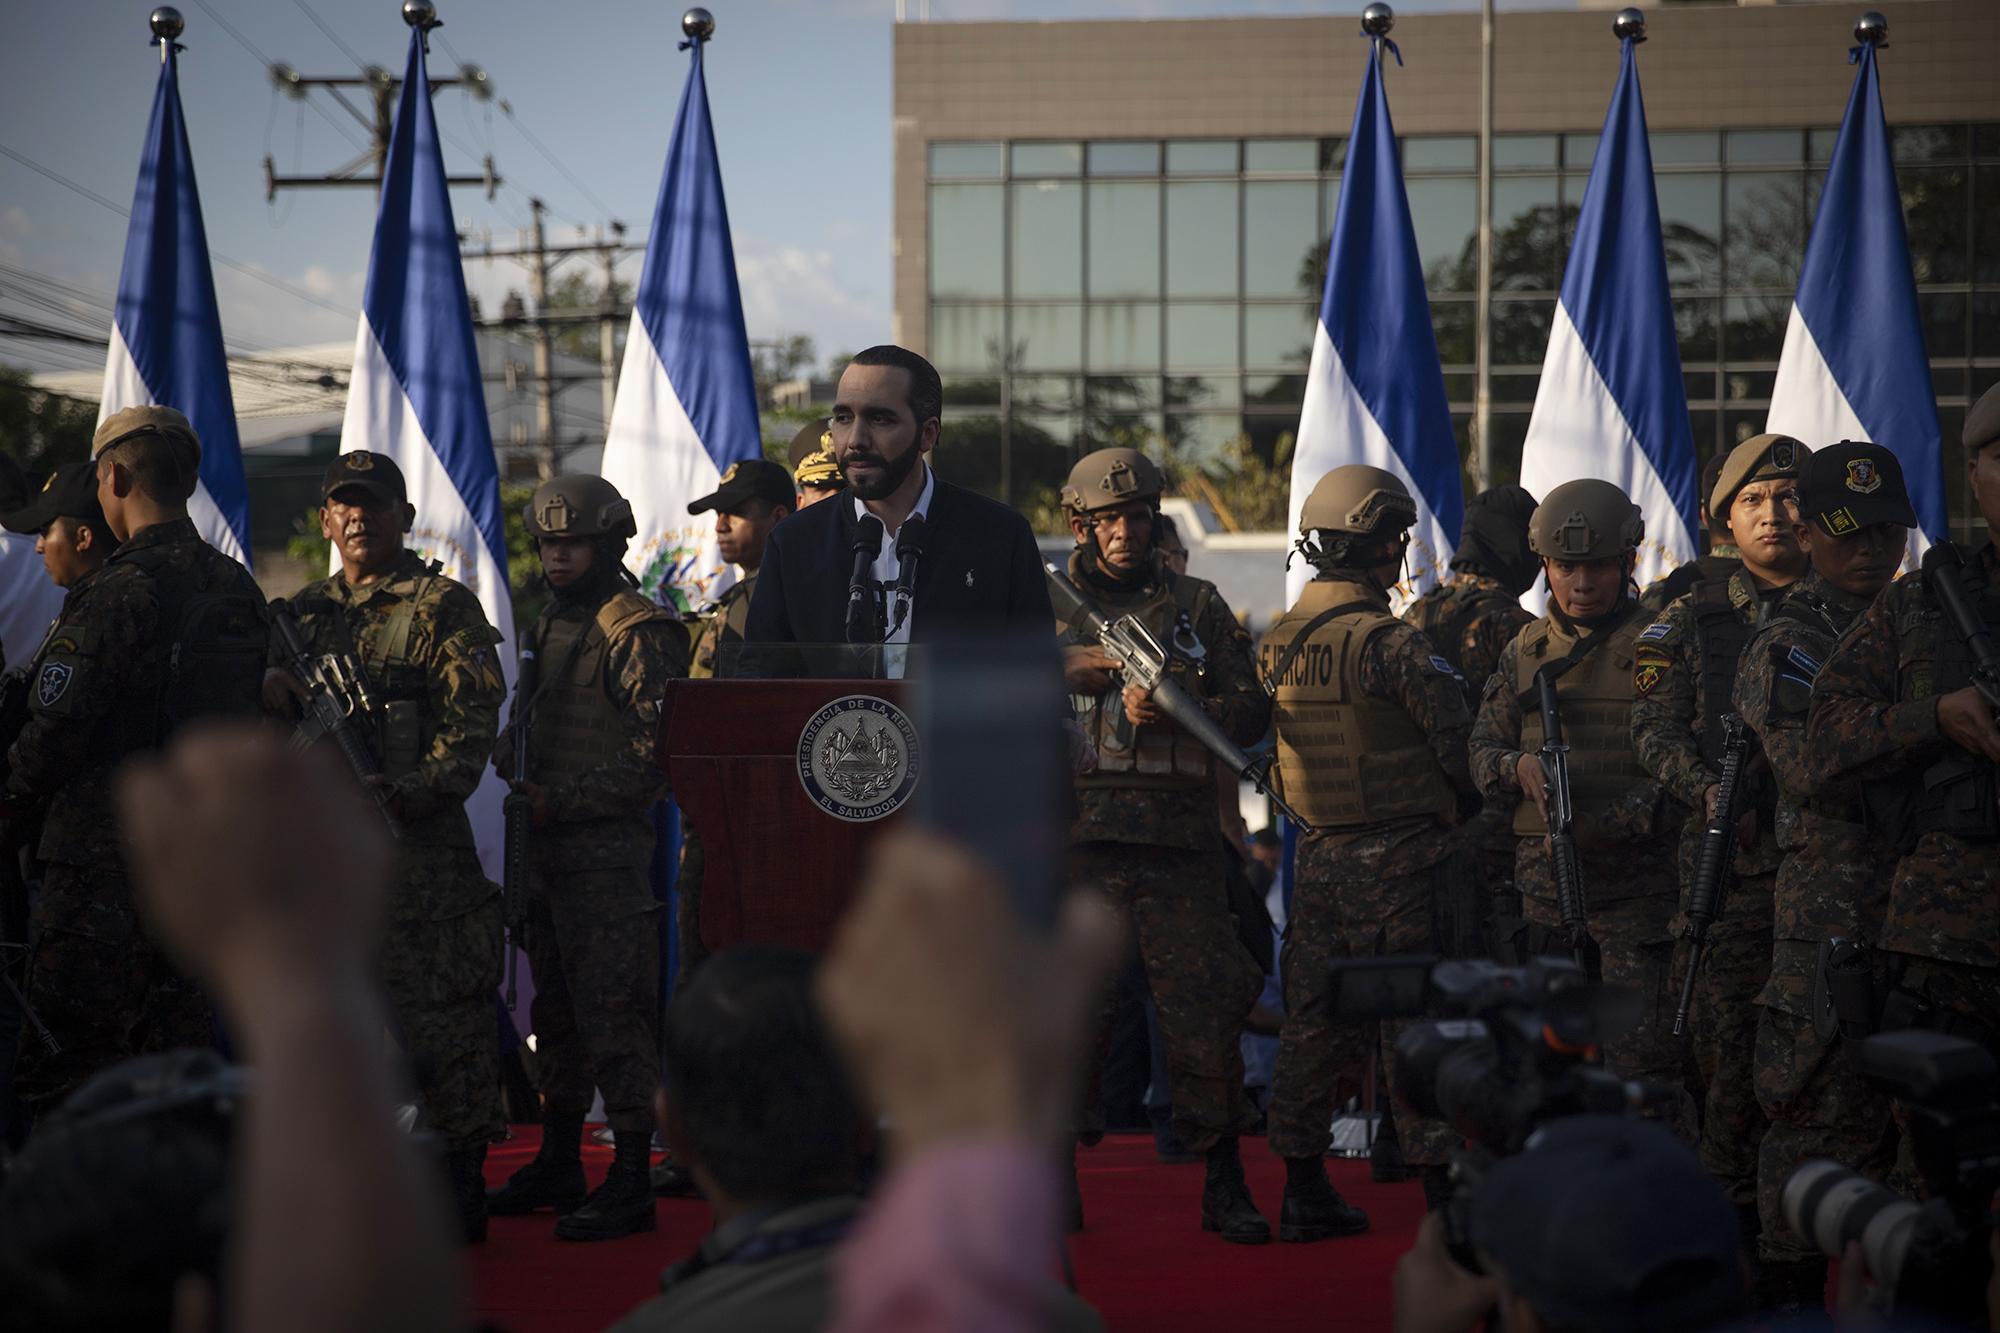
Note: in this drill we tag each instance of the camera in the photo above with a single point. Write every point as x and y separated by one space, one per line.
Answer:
1932 1255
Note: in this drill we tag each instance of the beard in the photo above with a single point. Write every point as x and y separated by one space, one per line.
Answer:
894 471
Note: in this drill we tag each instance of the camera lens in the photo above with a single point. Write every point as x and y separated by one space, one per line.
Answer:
1830 1206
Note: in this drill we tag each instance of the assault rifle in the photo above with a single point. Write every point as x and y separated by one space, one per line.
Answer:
337 700
1945 574
1570 904
1146 663
1712 861
518 812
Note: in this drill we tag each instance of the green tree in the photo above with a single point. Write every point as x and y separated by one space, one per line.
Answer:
778 360
41 430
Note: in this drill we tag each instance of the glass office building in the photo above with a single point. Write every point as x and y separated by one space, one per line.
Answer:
1162 291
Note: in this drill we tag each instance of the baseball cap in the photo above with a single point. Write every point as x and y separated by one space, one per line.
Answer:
375 473
70 492
1852 485
1982 422
751 479
1605 1222
1755 459
127 422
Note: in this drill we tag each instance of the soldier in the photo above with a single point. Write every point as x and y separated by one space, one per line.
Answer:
1146 830
1586 533
1895 711
68 525
1722 559
428 651
1372 727
815 470
1834 879
1684 677
169 630
605 655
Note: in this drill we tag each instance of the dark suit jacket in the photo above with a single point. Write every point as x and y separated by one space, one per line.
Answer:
980 567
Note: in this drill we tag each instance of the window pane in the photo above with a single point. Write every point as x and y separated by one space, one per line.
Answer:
1578 151
1517 388
1749 386
1752 146
958 161
1754 327
1699 386
1683 148
1121 393
1521 332
1332 154
1049 337
1510 431
1202 239
1514 151
1934 209
966 226
1767 228
1280 235
1199 437
1986 225
1049 393
1986 140
1928 143
1125 240
968 337
1048 239
1128 430
1943 314
1819 145
1454 322
1043 449
965 394
1694 328
1445 210
1201 157
1048 159
1124 159
1457 152
1201 335
1690 224
1204 391
1124 336
1527 234
1278 335
1274 390
1986 324
1281 155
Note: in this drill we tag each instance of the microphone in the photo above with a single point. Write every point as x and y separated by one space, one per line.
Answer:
909 546
863 617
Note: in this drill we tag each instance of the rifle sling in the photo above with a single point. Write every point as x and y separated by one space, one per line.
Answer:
1572 659
1298 644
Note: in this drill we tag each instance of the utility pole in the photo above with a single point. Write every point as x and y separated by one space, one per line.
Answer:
542 259
382 88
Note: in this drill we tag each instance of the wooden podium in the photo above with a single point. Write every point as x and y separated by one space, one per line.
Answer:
781 859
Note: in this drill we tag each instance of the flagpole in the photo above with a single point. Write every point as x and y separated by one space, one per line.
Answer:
1482 336
167 25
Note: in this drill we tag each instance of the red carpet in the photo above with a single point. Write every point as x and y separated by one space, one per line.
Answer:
1142 1260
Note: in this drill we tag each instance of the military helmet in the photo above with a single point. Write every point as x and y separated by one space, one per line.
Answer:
1111 477
1586 519
579 505
1356 500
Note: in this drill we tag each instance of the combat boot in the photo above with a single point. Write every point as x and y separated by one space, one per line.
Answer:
1226 1205
554 1179
467 1167
623 1204
1385 1156
1313 1209
672 1179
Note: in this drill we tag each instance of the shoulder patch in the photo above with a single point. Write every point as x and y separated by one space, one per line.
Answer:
1648 666
472 638
1440 664
1804 661
73 639
1656 631
52 686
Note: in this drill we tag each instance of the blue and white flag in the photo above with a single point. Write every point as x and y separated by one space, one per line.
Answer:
416 393
1854 365
687 402
1375 392
166 337
1611 403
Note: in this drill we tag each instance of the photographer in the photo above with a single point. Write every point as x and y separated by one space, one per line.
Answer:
1602 1225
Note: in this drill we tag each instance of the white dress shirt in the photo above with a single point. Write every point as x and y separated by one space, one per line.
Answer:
888 565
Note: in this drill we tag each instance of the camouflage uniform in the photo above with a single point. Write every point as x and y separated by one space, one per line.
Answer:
591 938
1470 620
1683 677
1625 823
1370 887
95 977
428 650
721 626
1146 834
1833 882
1873 723
1722 560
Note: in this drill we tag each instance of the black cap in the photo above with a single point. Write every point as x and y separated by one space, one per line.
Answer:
751 479
70 492
1610 1222
1852 485
367 471
1982 421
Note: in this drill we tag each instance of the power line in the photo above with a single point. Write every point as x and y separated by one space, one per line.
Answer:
241 40
247 270
507 110
331 35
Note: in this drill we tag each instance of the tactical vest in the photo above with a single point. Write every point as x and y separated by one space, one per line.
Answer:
1346 760
1723 634
1596 701
1959 794
1445 619
1154 758
576 725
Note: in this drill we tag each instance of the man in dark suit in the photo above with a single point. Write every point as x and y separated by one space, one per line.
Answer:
977 564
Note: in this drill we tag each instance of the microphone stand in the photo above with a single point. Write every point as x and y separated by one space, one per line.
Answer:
864 615
909 548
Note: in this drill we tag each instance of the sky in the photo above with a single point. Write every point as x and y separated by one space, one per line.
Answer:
800 92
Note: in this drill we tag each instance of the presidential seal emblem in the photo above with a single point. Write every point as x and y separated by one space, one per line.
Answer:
858 758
